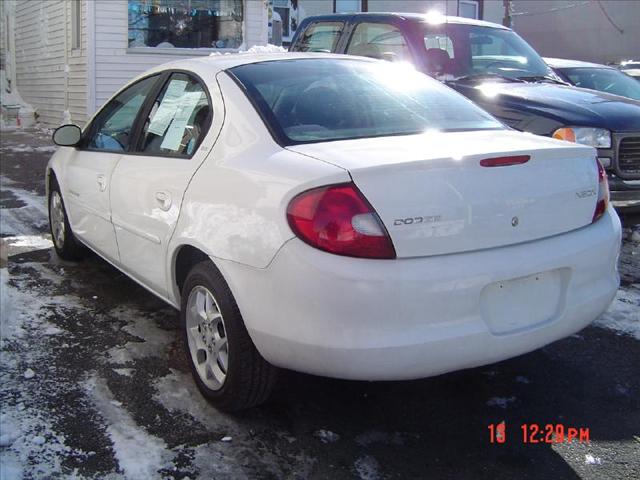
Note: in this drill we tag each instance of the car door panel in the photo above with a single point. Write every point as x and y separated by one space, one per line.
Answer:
146 196
89 168
87 199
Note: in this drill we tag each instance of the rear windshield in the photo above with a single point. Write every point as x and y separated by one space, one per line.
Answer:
315 100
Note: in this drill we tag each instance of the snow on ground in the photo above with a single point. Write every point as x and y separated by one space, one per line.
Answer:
150 340
32 446
30 216
623 315
367 468
139 454
27 148
326 436
229 450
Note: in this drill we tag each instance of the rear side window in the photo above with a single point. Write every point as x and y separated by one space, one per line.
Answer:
320 37
178 120
314 100
379 40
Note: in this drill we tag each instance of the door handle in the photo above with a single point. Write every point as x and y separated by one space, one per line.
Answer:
164 199
102 182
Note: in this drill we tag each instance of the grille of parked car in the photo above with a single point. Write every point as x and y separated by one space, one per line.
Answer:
629 155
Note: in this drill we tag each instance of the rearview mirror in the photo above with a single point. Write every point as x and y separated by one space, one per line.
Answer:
481 40
67 135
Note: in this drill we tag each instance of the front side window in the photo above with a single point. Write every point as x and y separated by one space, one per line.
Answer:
111 130
378 40
179 118
320 37
185 24
314 100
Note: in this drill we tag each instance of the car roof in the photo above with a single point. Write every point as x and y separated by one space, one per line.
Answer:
566 63
415 17
211 65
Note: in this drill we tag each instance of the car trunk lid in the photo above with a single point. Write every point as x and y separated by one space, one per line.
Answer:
434 196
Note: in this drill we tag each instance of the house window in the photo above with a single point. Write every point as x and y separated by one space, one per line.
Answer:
346 6
282 8
76 24
469 8
185 23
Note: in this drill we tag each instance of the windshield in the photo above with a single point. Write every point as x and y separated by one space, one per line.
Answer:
454 51
604 79
312 100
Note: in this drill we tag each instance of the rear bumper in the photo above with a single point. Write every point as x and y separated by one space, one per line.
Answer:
411 318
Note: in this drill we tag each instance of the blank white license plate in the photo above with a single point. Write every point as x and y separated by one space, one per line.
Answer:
513 305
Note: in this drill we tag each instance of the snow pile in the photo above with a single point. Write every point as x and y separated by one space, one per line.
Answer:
15 111
269 48
623 315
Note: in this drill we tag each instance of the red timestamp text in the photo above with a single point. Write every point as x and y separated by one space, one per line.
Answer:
549 433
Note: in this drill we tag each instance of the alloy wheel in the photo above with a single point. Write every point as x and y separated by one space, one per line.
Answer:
207 338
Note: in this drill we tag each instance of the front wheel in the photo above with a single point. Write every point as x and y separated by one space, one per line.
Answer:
226 366
65 243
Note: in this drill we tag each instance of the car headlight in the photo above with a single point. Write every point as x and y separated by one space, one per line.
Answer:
594 137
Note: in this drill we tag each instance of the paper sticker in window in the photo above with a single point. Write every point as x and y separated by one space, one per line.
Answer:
176 132
167 109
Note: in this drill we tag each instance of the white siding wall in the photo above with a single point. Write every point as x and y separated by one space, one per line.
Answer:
115 64
49 74
40 56
3 35
77 91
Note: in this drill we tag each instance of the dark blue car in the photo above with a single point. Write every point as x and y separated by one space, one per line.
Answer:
498 70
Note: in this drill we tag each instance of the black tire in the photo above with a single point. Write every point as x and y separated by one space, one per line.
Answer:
66 245
249 378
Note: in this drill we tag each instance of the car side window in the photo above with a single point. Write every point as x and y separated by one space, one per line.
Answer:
379 40
178 120
320 37
440 41
111 130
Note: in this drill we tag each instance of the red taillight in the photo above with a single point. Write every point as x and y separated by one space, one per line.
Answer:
338 219
505 161
603 193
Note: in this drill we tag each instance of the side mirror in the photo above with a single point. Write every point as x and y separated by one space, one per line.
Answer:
67 135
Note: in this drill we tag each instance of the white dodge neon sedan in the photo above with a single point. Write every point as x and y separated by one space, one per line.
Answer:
334 215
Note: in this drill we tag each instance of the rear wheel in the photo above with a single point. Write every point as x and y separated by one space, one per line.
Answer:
227 367
65 243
